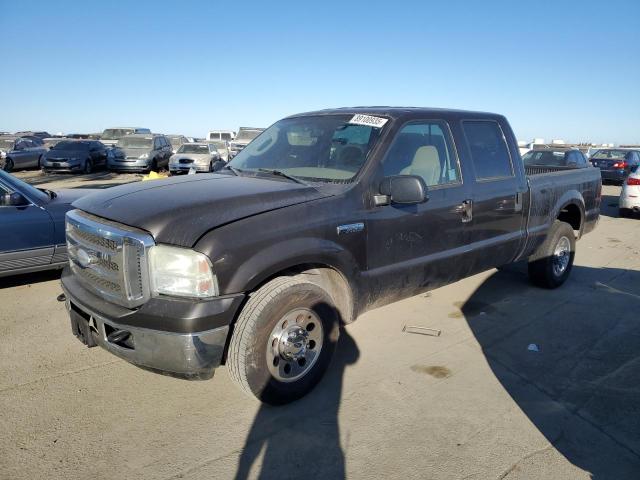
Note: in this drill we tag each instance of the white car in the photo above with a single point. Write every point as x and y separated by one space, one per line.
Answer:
630 196
202 157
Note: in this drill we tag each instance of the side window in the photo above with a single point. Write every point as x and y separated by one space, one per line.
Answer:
423 148
488 148
157 143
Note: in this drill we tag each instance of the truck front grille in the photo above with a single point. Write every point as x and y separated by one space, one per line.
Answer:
109 258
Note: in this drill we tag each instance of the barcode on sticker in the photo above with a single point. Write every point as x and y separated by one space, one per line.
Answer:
368 120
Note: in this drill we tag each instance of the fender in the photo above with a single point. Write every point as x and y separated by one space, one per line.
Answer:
572 197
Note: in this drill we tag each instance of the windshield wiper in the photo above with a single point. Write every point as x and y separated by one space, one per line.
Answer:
236 171
280 173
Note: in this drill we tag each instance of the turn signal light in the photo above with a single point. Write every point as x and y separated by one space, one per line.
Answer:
633 181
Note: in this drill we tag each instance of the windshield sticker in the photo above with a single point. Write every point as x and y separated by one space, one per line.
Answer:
368 120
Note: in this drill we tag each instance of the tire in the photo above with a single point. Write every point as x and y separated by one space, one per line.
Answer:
551 265
624 213
8 165
88 167
290 308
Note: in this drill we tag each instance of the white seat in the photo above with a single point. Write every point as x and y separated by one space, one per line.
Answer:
425 163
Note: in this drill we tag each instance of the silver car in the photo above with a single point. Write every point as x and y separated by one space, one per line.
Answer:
140 153
176 141
19 152
202 157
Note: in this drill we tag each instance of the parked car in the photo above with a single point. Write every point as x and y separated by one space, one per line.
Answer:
223 148
615 163
32 226
629 201
140 153
37 141
244 137
224 135
558 157
75 156
176 141
19 152
202 157
110 136
31 133
52 141
326 215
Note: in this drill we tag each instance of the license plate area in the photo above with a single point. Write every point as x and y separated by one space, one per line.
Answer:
81 326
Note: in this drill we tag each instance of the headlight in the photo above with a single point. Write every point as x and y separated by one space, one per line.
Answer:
143 156
181 272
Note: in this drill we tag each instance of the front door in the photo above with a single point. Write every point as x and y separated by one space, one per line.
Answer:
413 248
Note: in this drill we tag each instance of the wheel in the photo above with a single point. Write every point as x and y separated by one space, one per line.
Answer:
8 165
154 166
88 166
210 167
40 162
283 340
624 212
551 265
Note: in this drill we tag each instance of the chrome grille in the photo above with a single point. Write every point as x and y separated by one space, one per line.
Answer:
109 258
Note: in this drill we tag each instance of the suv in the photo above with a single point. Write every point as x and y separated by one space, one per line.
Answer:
110 136
244 138
141 153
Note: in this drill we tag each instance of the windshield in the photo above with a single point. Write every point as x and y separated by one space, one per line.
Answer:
116 133
175 141
248 134
192 148
612 154
6 143
219 145
135 142
325 148
66 145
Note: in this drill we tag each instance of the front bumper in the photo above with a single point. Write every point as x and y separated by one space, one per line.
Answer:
185 167
135 165
62 166
171 336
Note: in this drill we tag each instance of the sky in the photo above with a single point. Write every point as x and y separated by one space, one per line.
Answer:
556 69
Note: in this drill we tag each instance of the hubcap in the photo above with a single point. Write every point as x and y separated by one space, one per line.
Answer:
561 256
294 345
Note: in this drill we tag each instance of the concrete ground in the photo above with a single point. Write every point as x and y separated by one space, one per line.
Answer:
472 403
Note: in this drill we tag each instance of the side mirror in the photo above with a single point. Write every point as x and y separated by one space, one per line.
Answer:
404 189
14 199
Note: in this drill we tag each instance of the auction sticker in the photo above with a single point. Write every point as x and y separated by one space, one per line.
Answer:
368 120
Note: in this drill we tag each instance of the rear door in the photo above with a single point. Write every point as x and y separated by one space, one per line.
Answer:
497 228
26 235
411 248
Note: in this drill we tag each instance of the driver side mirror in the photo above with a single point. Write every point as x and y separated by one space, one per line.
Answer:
402 189
14 199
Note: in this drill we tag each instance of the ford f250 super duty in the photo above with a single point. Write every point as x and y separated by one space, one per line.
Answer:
323 216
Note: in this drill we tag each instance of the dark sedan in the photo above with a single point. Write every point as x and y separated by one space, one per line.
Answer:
32 226
615 163
75 156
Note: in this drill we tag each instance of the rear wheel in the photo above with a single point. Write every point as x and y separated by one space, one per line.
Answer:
283 340
624 212
8 165
551 265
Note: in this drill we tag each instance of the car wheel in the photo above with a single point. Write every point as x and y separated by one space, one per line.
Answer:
284 340
624 212
551 265
40 162
88 166
154 166
8 165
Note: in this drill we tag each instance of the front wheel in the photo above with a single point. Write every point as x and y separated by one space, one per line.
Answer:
551 265
8 165
88 166
283 340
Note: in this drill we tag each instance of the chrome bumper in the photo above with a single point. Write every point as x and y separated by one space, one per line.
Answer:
192 356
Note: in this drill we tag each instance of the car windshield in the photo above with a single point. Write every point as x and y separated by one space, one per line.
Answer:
66 145
612 154
6 143
135 142
116 133
325 148
248 134
192 148
175 141
545 158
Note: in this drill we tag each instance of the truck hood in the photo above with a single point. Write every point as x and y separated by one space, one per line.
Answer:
180 210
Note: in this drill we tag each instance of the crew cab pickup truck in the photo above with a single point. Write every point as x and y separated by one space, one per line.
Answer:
323 216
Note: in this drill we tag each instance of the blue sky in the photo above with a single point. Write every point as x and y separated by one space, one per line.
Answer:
556 69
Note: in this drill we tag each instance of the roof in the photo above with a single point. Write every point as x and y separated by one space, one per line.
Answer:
401 112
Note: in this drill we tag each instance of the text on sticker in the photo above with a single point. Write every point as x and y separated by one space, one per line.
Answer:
368 120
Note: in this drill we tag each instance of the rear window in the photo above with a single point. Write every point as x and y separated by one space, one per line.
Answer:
488 149
612 154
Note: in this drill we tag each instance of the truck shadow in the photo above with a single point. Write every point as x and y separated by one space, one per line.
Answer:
29 278
302 439
570 359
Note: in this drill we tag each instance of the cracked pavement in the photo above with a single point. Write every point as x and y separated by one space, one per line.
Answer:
472 403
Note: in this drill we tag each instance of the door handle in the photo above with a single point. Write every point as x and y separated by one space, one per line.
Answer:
465 210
